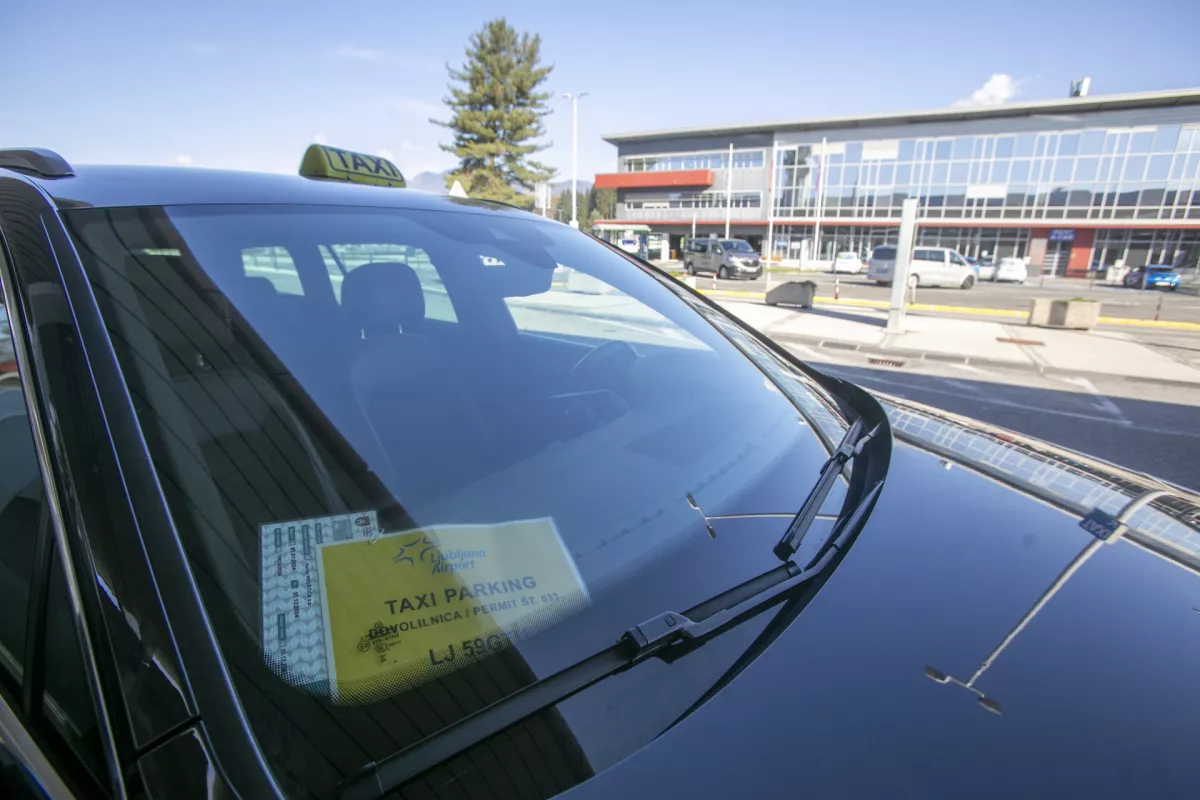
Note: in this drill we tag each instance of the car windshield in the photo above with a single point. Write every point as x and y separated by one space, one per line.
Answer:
847 255
418 459
737 245
1161 269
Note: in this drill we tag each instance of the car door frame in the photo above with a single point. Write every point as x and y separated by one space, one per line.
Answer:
206 677
22 250
716 255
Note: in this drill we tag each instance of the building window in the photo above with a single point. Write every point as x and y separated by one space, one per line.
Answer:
742 159
1033 176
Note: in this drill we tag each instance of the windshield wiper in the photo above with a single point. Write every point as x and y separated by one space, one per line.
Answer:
669 635
851 445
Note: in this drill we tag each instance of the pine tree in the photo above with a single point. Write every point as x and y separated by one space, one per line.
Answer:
497 114
602 203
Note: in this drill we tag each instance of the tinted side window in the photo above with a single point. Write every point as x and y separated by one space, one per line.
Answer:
67 700
20 506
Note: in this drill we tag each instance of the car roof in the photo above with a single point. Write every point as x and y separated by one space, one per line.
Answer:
107 186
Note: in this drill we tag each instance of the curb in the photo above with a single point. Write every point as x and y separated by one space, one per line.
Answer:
948 358
1010 313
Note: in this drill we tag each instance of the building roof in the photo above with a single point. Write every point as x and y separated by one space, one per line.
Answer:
1172 97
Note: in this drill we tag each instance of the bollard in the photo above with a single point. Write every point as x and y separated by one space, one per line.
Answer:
836 293
1158 308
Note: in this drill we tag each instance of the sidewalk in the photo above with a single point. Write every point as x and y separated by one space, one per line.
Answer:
988 343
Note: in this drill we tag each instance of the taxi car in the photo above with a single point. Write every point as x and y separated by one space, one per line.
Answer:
315 488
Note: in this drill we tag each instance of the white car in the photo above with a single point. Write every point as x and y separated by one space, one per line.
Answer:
847 262
1010 269
930 266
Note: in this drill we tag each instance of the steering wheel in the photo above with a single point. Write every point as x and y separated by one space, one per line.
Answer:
614 357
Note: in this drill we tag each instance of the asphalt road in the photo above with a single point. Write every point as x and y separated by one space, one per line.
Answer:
1152 429
1118 302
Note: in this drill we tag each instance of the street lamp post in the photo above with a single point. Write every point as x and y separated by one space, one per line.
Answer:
574 98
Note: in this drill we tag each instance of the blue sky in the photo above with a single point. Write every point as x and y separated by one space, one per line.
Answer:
249 85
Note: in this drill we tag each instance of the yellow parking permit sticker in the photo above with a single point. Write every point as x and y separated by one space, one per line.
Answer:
333 163
413 606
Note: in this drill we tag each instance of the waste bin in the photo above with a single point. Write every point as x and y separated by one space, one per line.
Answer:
793 293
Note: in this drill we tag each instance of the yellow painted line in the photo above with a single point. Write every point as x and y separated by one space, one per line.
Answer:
1011 313
850 301
1151 323
733 293
986 312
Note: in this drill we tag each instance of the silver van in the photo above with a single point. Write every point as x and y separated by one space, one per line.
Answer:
931 266
725 258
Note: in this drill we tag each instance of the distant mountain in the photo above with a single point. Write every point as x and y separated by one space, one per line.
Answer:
429 181
559 187
436 182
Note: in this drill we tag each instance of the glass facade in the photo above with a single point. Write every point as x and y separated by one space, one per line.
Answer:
1137 248
1143 173
862 239
712 199
742 159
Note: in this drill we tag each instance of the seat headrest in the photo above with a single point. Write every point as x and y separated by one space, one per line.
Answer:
258 290
383 296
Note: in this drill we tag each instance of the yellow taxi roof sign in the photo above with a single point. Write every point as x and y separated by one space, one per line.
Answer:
335 164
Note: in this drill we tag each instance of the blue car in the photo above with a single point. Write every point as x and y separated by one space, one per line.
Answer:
1156 275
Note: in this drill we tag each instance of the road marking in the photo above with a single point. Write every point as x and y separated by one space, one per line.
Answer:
966 310
1099 401
995 401
961 385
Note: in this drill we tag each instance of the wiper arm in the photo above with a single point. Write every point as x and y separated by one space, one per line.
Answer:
667 636
851 445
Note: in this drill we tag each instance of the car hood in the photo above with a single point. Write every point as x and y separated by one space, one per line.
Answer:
974 568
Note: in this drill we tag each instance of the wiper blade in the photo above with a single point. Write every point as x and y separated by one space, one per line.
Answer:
667 636
851 445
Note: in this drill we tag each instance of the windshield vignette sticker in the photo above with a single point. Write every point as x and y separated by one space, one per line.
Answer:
293 617
416 605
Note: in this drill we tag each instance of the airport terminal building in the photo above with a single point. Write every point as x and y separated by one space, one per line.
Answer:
1071 185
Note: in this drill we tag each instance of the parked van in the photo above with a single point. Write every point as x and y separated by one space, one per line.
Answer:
931 266
725 258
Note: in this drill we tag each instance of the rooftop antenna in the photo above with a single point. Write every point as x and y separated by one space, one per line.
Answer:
1080 88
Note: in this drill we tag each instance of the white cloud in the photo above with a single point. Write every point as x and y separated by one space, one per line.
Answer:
319 138
372 55
368 54
998 89
203 49
385 153
184 160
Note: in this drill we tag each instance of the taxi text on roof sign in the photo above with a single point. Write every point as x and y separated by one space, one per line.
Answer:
333 163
